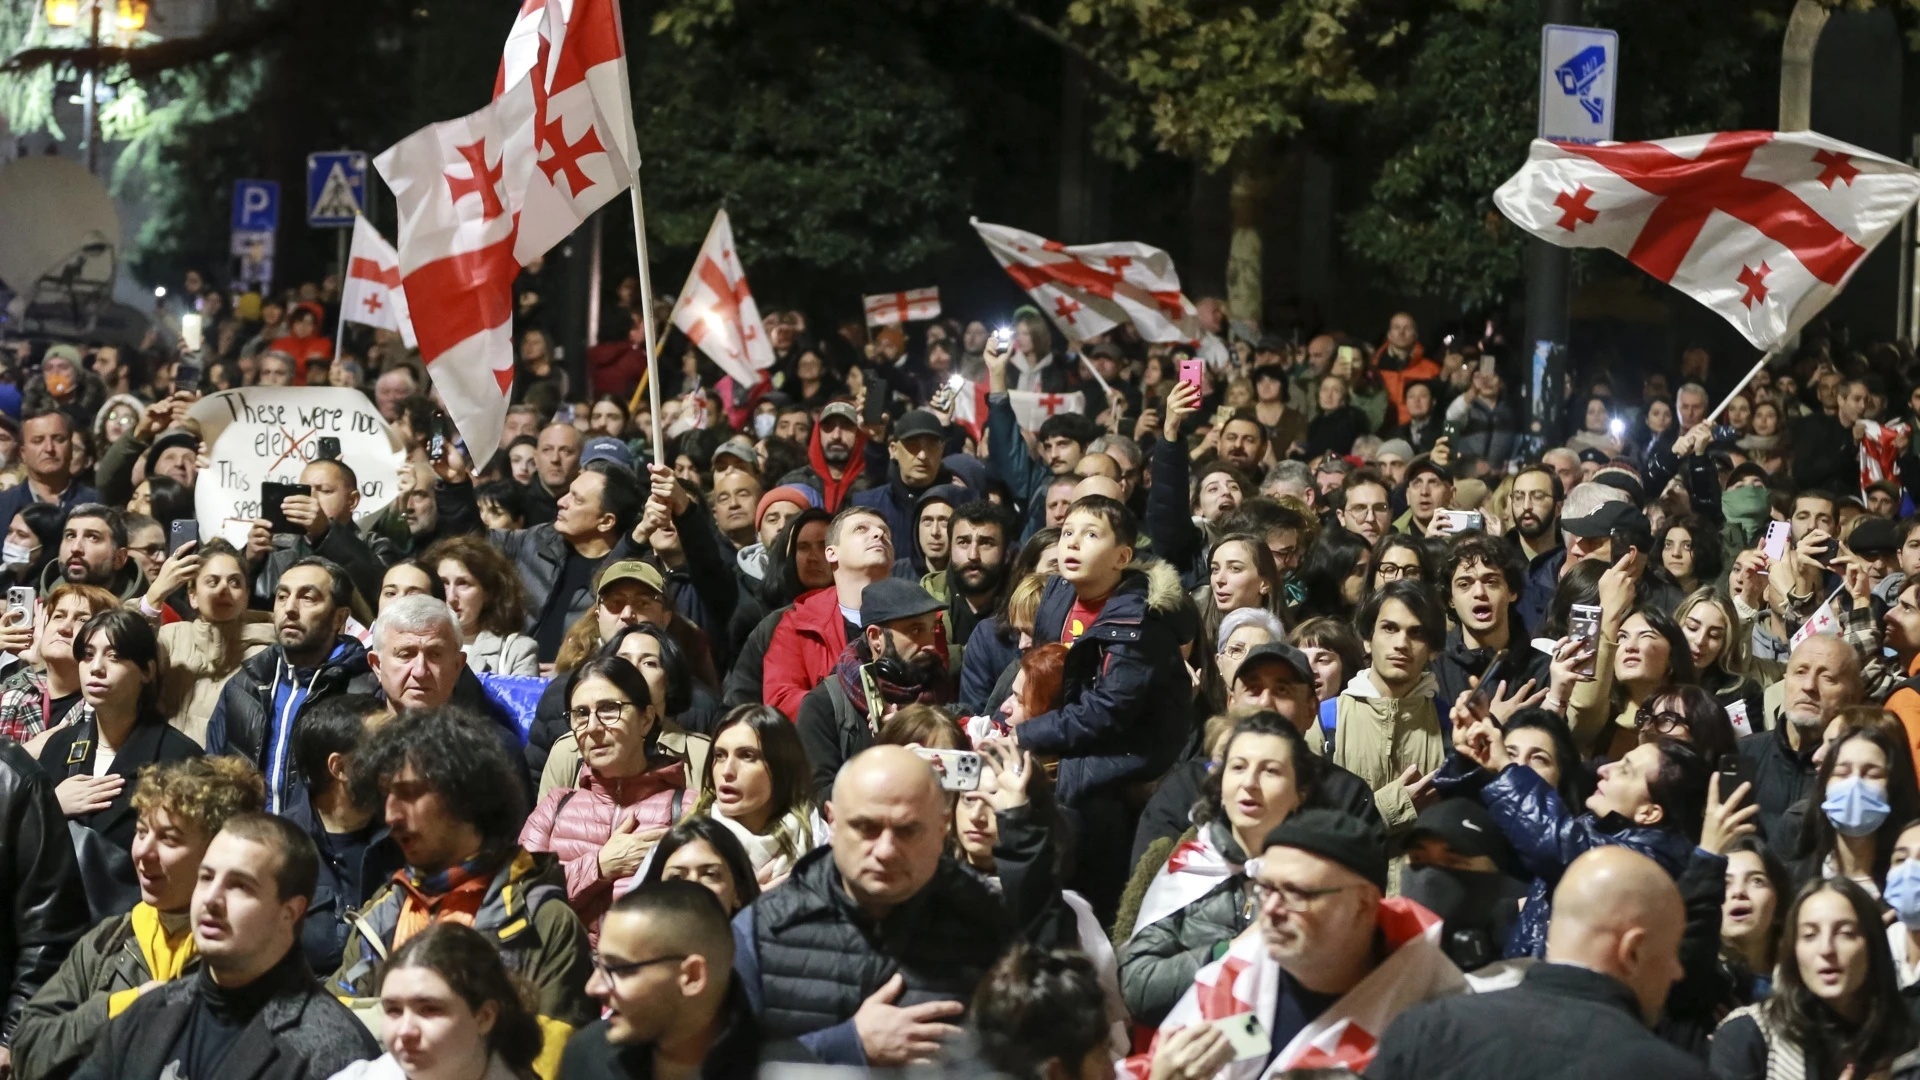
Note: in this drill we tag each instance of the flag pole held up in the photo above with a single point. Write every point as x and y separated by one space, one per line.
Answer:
646 310
1765 359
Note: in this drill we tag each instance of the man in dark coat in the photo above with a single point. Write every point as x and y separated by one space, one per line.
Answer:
1612 954
255 1010
872 948
47 908
917 447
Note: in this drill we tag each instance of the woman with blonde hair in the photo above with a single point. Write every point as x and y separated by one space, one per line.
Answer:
1722 654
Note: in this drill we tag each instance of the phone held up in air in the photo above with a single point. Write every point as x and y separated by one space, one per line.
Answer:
1583 622
1190 372
273 496
329 448
20 605
181 532
958 770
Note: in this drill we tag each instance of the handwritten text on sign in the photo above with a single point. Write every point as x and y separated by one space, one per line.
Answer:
271 433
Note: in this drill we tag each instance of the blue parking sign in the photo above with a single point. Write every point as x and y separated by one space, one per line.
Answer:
336 188
256 205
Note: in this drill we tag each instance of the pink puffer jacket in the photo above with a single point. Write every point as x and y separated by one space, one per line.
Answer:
575 822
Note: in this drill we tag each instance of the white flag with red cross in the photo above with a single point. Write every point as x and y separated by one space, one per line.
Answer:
1824 620
1763 227
1091 288
716 309
1031 408
372 295
480 196
914 305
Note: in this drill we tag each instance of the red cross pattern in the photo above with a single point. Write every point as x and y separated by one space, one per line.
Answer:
1692 189
373 304
1118 264
1835 166
1065 306
1755 282
566 156
483 180
1577 211
1051 403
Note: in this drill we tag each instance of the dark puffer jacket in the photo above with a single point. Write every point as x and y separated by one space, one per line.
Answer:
47 907
1548 836
1121 682
239 722
1158 963
807 956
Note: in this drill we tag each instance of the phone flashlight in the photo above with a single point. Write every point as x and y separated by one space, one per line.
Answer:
159 292
955 382
1617 428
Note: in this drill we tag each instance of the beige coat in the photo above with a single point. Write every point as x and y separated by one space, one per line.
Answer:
1376 737
196 658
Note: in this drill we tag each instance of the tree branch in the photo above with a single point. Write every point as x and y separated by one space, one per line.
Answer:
1113 80
148 60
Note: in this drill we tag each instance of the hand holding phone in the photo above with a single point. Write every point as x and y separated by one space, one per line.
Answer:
1190 372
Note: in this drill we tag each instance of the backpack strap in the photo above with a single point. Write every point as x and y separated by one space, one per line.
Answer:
1329 720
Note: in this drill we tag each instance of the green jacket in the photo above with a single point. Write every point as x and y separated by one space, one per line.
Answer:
60 1024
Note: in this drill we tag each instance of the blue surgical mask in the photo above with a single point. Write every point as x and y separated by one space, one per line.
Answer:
1856 806
1902 893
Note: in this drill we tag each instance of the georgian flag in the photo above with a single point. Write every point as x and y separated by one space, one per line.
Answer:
716 309
1880 451
1346 1036
1823 621
1763 227
914 305
1195 868
1091 288
1031 408
371 294
481 195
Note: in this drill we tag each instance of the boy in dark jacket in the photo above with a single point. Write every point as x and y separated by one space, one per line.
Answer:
1123 715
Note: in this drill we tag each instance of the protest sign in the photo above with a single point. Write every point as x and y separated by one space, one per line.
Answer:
270 433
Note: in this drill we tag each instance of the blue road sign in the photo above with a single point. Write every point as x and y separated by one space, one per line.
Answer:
1578 69
256 205
336 188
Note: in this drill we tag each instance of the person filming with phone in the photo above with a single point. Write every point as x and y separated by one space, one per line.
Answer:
319 521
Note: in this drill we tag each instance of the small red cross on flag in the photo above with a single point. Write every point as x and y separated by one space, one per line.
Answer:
1091 288
371 294
716 309
1763 227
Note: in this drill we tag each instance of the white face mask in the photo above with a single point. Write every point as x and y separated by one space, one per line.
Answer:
13 554
763 424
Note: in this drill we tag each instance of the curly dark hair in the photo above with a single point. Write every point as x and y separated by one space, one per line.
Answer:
505 608
457 754
1035 1006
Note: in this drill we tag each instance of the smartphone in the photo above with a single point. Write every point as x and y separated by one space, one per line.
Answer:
186 375
437 440
1448 522
192 333
1583 622
1003 339
958 770
329 448
943 397
183 531
1490 680
1775 546
1190 372
19 605
1734 769
1725 433
272 496
564 414
875 408
1246 1034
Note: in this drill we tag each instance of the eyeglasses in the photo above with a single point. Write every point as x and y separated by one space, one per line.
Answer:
1665 723
608 714
621 971
1387 571
1291 897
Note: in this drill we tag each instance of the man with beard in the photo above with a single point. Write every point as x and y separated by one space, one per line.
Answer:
1243 443
1364 509
1536 531
836 455
310 661
975 576
93 551
899 659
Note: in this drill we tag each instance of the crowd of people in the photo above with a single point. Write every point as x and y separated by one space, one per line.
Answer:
1323 711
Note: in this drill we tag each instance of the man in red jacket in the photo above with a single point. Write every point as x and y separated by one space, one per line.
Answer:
814 632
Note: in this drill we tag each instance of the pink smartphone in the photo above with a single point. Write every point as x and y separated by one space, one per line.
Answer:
1190 372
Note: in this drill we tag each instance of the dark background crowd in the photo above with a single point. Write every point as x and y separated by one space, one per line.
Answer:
1299 702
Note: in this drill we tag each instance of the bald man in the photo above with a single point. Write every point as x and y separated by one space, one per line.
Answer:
1613 951
1097 485
868 952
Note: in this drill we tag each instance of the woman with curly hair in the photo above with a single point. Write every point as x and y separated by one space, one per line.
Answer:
181 805
487 597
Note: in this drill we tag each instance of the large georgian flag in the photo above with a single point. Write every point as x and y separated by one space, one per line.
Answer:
482 195
1763 227
1091 288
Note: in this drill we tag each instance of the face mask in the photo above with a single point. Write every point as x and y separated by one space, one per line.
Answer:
1856 807
60 383
763 424
13 554
1902 893
1744 503
1469 902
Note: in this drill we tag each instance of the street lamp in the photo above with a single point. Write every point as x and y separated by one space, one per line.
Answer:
63 13
131 16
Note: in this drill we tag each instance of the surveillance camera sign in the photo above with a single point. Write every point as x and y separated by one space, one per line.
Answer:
1578 68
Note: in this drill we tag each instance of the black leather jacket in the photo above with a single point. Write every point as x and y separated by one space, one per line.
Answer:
46 908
